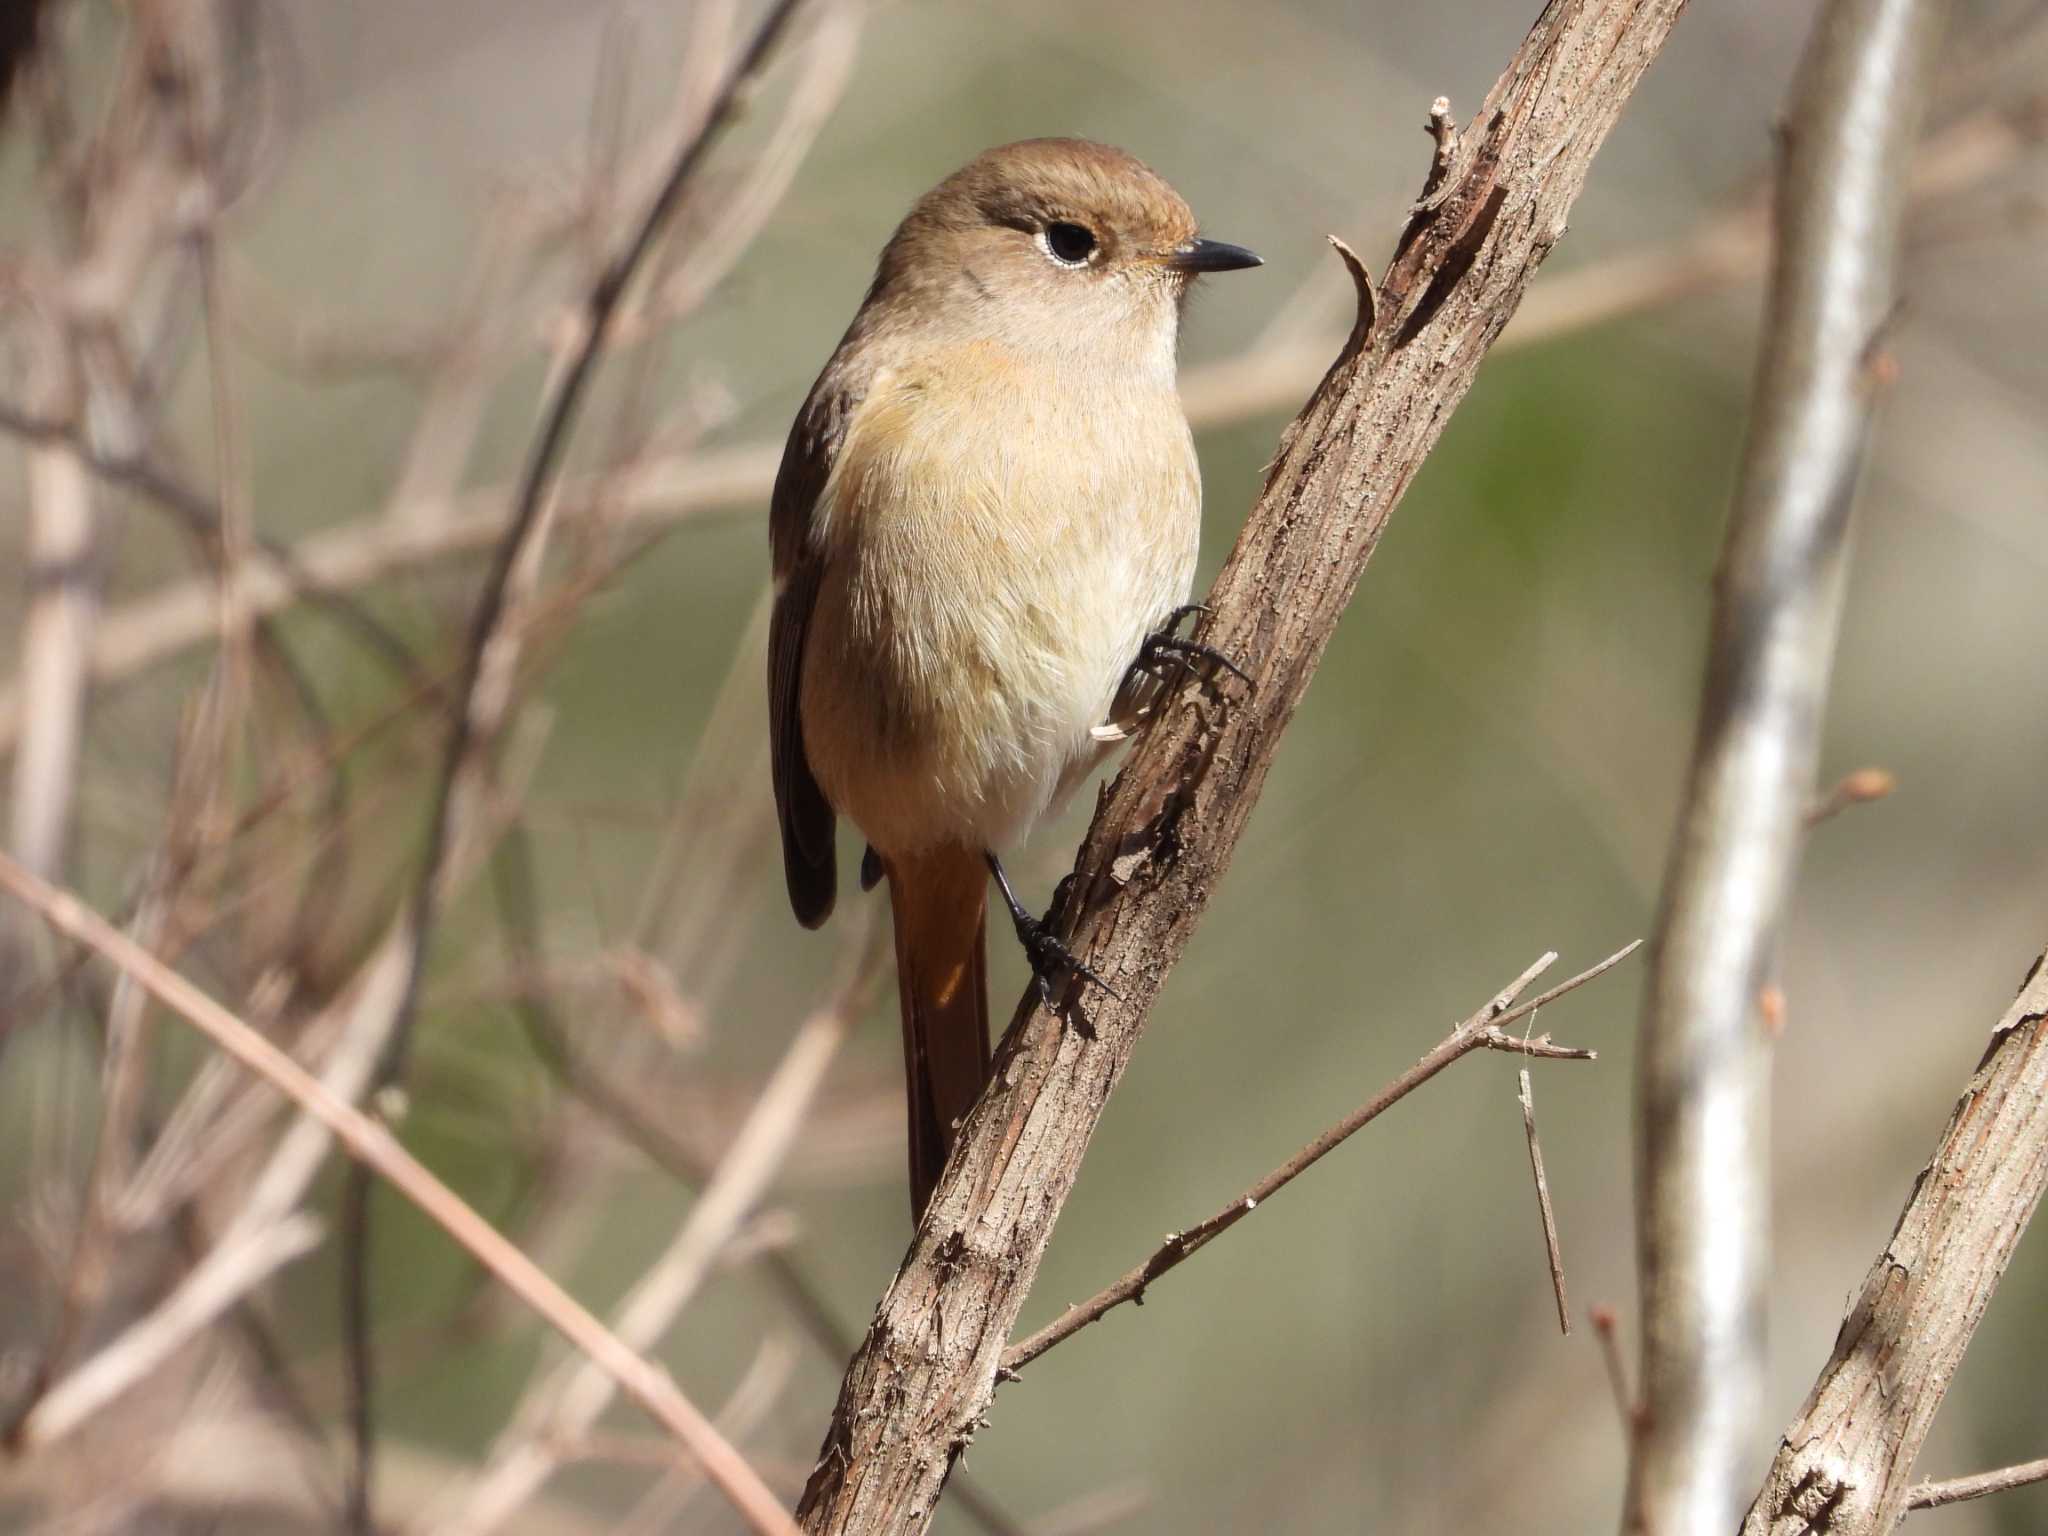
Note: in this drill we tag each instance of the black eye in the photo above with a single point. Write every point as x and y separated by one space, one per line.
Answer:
1070 244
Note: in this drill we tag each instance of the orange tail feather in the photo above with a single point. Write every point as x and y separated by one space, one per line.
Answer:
939 903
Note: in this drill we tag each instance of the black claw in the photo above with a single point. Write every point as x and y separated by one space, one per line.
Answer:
1203 661
1168 657
1051 961
870 869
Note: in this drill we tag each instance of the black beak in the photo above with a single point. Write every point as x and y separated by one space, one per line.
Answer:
1212 256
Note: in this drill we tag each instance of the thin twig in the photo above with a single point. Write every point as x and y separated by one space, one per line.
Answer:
1955 1490
1702 1105
1608 1328
371 1144
1858 788
1484 1030
1551 1252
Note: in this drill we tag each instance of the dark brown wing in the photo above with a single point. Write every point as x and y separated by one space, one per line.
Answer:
805 814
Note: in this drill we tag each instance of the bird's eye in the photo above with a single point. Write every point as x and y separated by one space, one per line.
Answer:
1068 244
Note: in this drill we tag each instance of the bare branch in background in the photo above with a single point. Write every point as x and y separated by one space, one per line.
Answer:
563 1407
1163 835
181 614
376 1148
1702 1187
1728 248
1845 1465
1485 1030
484 693
515 548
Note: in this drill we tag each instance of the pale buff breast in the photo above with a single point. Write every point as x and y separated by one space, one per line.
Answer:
995 555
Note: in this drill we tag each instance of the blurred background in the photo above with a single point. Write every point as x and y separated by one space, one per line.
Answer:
314 265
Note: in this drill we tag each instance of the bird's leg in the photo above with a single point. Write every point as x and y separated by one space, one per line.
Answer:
1050 958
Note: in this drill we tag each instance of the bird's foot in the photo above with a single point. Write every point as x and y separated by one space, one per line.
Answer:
1168 655
1053 965
1164 662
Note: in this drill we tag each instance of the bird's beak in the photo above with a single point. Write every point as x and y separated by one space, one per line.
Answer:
1211 256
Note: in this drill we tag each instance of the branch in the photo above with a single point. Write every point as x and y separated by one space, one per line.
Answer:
1702 1190
564 1407
1727 247
377 1149
283 580
1163 836
1955 1490
1551 1252
486 686
1484 1030
1843 1466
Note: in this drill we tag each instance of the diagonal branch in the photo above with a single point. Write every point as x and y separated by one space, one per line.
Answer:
1844 1466
1485 1030
375 1147
916 1391
1702 1186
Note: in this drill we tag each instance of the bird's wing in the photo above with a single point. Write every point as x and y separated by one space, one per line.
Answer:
805 815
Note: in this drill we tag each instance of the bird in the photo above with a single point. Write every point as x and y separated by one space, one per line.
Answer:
983 535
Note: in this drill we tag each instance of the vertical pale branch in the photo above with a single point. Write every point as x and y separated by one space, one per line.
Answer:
1845 1465
1703 1165
56 643
1495 204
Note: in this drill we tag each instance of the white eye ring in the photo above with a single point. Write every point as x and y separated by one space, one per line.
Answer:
1043 239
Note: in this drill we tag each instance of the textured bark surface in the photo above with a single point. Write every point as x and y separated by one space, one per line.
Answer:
1843 1467
1703 1062
1495 203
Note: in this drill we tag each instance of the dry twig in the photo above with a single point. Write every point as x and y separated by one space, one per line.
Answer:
1858 788
1551 1252
375 1147
1955 1490
1485 1030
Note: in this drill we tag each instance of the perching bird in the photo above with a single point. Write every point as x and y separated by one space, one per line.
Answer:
987 509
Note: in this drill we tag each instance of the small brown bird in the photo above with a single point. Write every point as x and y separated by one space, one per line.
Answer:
985 519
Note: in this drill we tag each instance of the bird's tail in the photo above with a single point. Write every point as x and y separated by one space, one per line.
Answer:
939 903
